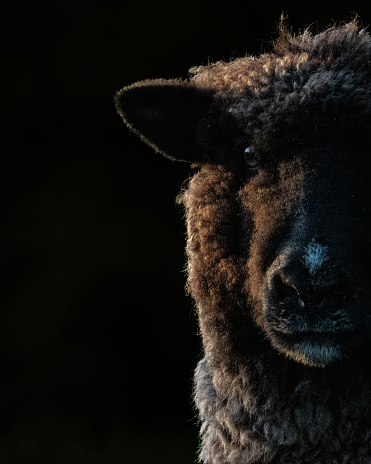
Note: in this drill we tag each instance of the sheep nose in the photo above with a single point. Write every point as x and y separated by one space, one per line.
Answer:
302 292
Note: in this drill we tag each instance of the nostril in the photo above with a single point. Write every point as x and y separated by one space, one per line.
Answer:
300 293
284 290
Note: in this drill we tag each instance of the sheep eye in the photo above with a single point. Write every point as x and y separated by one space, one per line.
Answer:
252 158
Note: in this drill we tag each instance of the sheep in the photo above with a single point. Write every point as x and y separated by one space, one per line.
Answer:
278 217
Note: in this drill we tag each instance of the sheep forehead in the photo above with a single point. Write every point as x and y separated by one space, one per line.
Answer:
254 75
314 256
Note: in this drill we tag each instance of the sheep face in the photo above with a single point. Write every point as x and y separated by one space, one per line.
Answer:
307 271
278 214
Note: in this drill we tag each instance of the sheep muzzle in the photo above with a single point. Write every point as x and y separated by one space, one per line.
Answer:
310 307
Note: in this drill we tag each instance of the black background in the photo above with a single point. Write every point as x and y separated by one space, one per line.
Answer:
98 340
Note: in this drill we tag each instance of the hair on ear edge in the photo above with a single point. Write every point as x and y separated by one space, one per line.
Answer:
164 114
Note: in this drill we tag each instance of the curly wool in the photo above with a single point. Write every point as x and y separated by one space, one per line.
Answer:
256 407
308 83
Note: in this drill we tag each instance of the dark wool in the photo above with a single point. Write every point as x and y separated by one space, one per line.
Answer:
282 226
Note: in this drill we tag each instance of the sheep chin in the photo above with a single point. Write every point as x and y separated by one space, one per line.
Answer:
312 350
316 355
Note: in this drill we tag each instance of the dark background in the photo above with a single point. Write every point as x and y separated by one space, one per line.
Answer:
97 338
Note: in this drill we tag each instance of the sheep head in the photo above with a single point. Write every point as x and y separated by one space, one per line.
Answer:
278 213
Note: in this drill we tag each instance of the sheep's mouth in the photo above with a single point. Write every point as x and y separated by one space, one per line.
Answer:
316 349
315 337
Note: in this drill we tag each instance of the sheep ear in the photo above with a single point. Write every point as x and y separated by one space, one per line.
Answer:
167 115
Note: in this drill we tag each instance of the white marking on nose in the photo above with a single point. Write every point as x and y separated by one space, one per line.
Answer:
314 256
